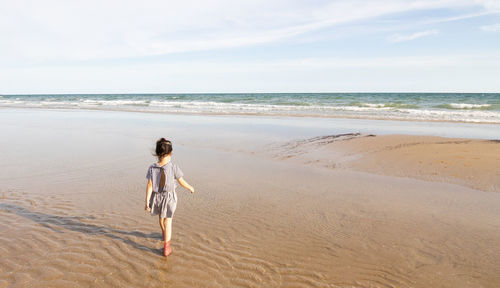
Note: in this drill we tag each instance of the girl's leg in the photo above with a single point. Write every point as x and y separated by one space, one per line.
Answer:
162 225
167 250
168 229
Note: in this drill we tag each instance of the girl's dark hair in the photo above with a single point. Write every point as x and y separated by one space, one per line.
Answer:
163 148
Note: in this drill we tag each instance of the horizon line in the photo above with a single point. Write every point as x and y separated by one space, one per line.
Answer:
185 93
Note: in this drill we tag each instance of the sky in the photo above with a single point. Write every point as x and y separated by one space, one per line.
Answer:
227 46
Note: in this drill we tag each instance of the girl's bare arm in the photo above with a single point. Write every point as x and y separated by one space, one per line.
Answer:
149 190
185 185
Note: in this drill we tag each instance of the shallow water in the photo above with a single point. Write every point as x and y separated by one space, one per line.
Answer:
71 214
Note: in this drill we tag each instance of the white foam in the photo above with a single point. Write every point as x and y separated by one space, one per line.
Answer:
115 102
57 103
9 102
372 111
374 105
468 106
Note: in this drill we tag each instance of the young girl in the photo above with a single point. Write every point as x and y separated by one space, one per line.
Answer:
161 198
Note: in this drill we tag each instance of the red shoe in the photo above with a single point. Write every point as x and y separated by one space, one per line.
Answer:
167 250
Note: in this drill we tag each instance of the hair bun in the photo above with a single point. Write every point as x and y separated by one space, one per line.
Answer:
163 147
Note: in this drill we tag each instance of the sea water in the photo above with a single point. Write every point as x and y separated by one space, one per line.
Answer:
449 107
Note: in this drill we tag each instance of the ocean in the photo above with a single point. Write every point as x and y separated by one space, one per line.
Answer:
450 107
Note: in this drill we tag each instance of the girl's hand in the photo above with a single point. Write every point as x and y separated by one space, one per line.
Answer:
185 185
147 208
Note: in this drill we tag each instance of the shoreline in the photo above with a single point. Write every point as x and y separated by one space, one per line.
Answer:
303 127
260 114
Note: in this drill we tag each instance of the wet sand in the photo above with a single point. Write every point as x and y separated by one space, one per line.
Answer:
468 162
72 213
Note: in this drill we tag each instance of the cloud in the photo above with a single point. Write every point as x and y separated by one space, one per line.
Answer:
51 30
491 28
459 17
492 5
401 38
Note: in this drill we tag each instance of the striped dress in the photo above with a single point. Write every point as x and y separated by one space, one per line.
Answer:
163 201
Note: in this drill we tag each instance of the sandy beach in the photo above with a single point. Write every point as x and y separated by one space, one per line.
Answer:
277 204
468 162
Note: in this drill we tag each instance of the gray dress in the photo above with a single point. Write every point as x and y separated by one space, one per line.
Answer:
163 201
